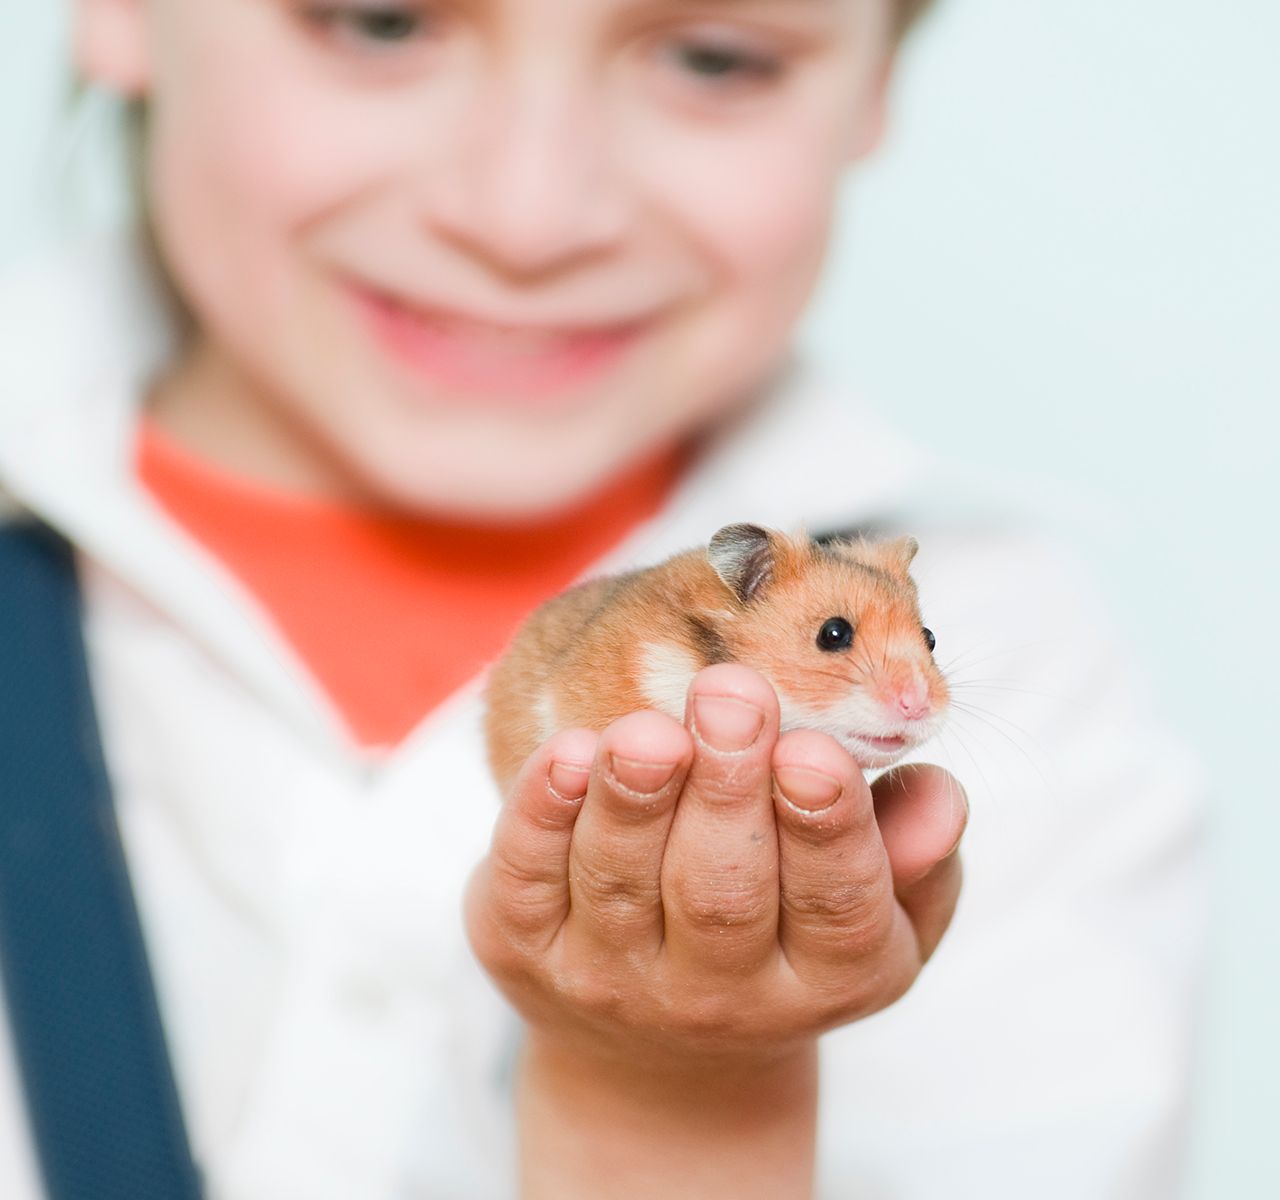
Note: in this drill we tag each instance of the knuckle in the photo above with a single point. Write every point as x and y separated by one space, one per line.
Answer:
719 908
868 938
858 936
831 903
512 901
610 886
524 916
514 875
596 997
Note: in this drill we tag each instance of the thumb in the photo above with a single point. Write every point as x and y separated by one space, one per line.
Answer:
922 811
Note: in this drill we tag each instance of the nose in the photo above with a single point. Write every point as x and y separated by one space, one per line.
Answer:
529 187
907 697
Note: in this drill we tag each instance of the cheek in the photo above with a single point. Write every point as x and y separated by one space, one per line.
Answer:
756 191
759 207
248 146
758 217
754 205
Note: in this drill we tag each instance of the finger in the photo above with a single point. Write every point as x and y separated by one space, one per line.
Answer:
922 811
521 888
720 871
835 883
615 859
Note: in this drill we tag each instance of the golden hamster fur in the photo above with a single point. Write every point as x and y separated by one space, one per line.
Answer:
834 627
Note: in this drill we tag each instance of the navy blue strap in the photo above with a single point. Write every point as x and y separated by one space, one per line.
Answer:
99 1085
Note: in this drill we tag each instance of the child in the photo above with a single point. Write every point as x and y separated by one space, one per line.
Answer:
475 298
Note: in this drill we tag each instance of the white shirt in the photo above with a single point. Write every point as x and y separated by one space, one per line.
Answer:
332 1036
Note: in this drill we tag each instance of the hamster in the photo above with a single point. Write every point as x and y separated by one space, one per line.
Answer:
835 628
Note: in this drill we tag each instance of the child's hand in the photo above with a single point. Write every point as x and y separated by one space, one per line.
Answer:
672 907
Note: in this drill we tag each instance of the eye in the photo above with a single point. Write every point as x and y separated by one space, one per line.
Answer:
929 639
836 634
382 23
387 24
715 62
721 62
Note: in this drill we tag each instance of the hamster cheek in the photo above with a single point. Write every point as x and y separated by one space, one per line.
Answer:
666 670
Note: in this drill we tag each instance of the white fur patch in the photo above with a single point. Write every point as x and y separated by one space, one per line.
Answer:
856 714
544 712
798 716
666 670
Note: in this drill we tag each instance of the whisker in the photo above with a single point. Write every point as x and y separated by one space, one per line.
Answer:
992 715
977 766
989 720
1003 650
984 686
849 679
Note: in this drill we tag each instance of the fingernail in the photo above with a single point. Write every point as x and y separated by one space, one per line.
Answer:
643 777
809 791
568 780
725 723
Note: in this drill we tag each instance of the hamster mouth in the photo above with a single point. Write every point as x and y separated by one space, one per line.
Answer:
874 753
883 745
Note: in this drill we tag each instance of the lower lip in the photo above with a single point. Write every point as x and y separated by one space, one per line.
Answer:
533 372
883 745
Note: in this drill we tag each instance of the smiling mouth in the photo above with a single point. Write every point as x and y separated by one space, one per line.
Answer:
526 364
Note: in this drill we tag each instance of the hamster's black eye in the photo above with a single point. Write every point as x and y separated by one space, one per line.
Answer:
835 634
929 639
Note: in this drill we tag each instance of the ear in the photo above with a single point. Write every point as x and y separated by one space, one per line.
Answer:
742 555
111 44
895 556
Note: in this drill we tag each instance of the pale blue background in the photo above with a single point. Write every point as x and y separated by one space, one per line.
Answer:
1064 265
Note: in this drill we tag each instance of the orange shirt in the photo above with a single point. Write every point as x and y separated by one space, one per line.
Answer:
391 613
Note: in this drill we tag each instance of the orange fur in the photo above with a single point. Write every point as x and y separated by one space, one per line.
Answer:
759 597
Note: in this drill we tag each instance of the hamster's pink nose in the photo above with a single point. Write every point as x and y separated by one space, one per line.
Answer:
911 699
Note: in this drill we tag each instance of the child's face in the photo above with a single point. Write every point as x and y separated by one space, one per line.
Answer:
475 255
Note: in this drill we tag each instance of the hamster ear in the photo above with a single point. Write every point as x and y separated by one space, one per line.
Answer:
742 555
896 555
